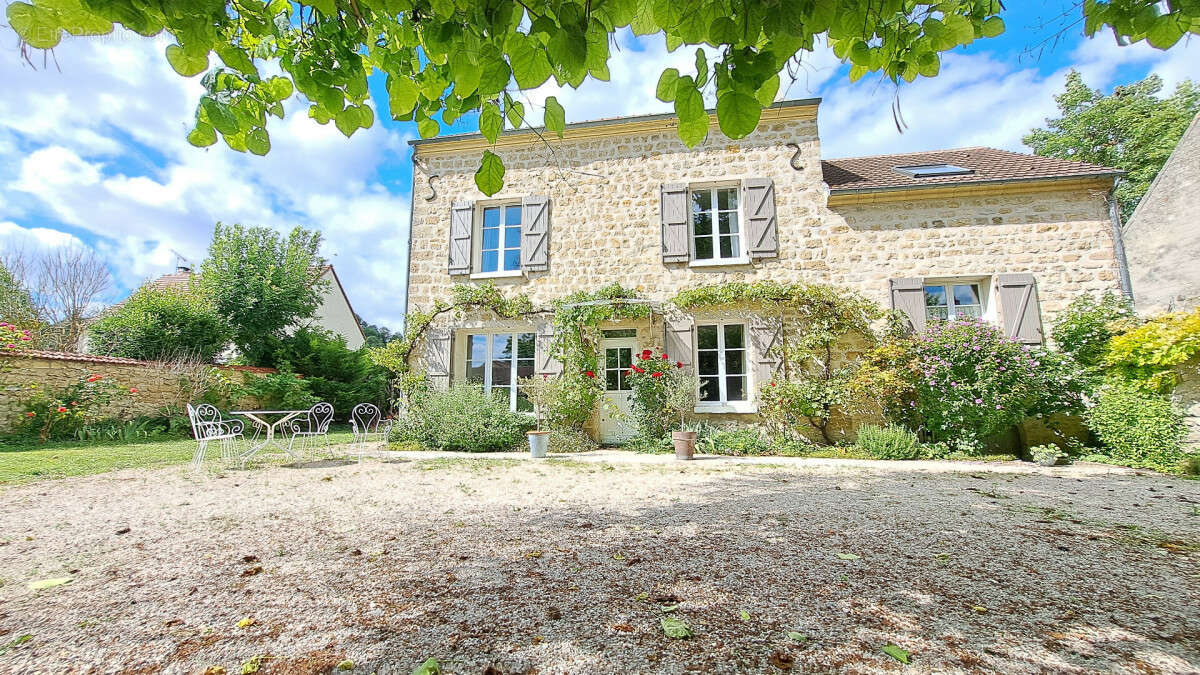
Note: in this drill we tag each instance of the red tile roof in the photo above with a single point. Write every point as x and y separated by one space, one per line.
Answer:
988 165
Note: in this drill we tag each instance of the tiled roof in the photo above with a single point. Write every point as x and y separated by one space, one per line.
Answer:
989 165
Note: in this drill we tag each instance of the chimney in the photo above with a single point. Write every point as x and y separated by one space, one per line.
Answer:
183 269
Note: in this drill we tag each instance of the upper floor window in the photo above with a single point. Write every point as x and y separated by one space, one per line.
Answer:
495 361
500 239
716 230
946 301
721 362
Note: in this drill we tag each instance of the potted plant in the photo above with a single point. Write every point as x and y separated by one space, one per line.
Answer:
541 392
662 387
1048 455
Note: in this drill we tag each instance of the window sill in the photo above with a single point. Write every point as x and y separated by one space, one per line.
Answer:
722 262
497 275
736 407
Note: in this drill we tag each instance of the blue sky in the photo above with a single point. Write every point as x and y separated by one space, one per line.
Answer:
93 151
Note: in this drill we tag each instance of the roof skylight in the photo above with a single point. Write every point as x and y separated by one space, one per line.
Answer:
929 170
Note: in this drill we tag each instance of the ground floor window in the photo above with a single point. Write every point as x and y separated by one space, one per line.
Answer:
496 360
947 301
721 362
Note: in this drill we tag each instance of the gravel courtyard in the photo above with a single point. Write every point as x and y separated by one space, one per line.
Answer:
517 566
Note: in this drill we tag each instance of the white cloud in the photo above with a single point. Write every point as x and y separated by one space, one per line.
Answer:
17 238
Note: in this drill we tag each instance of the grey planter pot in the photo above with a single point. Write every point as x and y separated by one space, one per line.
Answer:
539 441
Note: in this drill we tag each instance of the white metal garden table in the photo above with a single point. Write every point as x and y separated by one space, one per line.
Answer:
263 419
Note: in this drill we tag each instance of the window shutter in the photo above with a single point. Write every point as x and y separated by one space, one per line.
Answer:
908 297
535 233
678 341
762 232
461 215
546 363
674 213
766 333
1019 303
437 358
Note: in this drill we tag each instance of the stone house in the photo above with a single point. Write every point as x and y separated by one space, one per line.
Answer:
966 232
1162 237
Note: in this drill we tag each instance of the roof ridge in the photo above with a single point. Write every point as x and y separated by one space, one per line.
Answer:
916 152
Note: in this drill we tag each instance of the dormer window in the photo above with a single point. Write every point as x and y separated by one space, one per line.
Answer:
931 170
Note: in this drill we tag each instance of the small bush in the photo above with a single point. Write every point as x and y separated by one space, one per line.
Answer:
889 442
1138 428
1190 466
734 442
161 323
464 419
1048 454
336 374
1151 355
572 441
1083 329
54 415
284 390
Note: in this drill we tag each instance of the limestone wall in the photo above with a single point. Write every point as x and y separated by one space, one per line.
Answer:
159 387
1187 396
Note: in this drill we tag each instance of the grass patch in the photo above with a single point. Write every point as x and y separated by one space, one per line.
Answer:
34 461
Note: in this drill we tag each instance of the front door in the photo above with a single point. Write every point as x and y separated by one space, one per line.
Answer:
616 425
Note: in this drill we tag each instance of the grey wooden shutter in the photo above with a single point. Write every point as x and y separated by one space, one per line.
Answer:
766 336
679 342
437 358
1019 305
762 231
461 216
546 363
908 297
535 233
673 211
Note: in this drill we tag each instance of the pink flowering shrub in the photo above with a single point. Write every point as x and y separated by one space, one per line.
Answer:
968 381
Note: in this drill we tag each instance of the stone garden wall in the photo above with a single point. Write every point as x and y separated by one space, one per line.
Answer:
160 387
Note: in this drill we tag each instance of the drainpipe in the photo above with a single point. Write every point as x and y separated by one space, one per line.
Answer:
1114 214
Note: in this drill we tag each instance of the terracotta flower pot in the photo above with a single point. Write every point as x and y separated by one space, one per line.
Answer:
685 444
538 441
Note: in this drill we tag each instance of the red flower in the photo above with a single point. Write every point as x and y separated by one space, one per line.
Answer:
94 378
62 409
655 374
74 402
772 384
665 358
645 353
30 414
133 390
589 373
679 364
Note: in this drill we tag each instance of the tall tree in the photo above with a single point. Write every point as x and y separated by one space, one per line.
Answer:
262 282
377 336
16 302
63 286
1131 129
161 324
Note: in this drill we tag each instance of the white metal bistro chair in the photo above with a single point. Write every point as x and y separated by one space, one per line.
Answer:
207 426
369 427
311 426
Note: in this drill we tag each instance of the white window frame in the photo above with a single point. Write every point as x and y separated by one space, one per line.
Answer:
477 241
986 310
742 258
487 368
722 374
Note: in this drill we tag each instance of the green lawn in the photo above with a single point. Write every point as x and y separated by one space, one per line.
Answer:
25 463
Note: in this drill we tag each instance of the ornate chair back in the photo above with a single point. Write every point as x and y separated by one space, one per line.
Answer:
365 418
319 417
204 419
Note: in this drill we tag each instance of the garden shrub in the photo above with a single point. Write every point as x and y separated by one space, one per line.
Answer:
662 393
889 442
571 441
1048 454
284 390
61 414
1138 428
161 323
1083 329
465 419
738 441
1151 355
335 373
964 381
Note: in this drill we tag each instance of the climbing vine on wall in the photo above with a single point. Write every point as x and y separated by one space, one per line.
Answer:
809 386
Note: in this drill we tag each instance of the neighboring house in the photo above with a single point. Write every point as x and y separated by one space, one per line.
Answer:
969 232
1162 237
334 314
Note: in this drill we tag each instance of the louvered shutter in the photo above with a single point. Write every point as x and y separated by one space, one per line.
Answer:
674 214
908 297
1019 305
546 363
766 336
437 358
679 341
762 232
535 233
461 215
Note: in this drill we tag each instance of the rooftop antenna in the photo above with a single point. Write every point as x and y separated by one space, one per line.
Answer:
182 264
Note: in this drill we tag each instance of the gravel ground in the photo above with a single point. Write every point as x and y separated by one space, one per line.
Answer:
521 566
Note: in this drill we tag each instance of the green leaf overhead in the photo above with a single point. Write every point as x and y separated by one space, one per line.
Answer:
445 59
555 117
490 176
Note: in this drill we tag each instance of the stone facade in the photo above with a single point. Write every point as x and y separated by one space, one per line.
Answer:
1161 238
604 183
159 388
